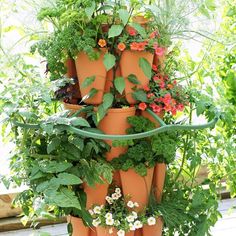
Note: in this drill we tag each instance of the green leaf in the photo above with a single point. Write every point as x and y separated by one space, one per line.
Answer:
54 143
68 179
210 4
79 121
124 16
78 142
109 61
107 100
100 113
115 30
88 81
64 198
91 94
140 95
133 79
139 29
119 83
54 167
90 10
146 67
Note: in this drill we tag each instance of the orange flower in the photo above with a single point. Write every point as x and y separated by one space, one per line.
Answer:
134 46
131 31
121 47
153 35
102 43
141 46
170 86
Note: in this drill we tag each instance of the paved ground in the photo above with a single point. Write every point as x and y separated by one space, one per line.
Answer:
224 227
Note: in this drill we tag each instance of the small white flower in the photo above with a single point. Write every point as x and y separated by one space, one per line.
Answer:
97 209
130 218
136 204
96 222
114 196
109 221
138 224
135 214
110 231
117 190
151 221
91 212
119 195
131 227
130 204
108 216
109 200
121 232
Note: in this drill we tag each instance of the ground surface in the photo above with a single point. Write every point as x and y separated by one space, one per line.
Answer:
224 227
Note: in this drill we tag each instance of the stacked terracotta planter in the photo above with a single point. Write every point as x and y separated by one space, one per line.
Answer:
115 122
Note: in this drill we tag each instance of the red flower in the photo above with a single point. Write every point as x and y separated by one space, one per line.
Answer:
131 31
180 107
167 99
156 78
153 35
162 84
142 106
154 67
173 111
141 46
150 95
146 88
156 109
167 107
175 82
160 51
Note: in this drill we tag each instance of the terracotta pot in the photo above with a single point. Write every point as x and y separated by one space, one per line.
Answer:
93 232
110 78
138 232
74 108
154 230
136 186
115 122
87 68
79 229
159 180
96 195
150 117
129 64
101 231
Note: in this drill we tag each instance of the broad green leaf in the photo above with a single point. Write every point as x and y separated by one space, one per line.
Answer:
88 81
54 143
90 10
133 79
91 94
78 142
68 179
48 128
210 4
124 16
115 30
139 29
108 99
54 167
119 83
100 113
140 95
79 121
146 67
109 61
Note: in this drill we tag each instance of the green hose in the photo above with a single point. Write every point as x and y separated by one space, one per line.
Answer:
163 128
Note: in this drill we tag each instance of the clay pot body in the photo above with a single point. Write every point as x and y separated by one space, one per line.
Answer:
73 108
138 232
153 230
96 195
79 229
159 180
101 231
115 122
149 116
136 186
129 64
86 68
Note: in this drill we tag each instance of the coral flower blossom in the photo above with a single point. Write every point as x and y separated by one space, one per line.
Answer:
131 31
159 51
102 43
153 35
146 88
167 99
150 95
134 46
170 86
142 106
141 46
154 67
121 47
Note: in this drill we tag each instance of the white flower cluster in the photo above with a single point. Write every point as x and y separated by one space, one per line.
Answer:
115 196
131 204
